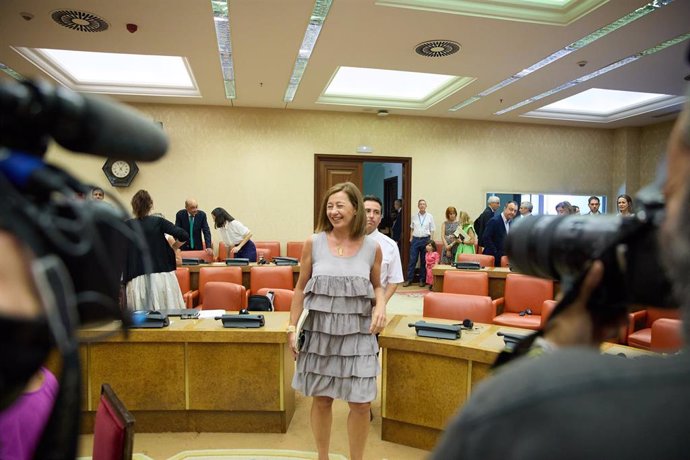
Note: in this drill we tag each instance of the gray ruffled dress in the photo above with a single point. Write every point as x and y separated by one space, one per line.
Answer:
338 358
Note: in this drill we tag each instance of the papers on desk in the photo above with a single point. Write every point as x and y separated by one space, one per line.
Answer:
210 313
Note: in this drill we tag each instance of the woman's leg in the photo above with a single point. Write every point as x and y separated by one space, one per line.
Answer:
321 420
358 428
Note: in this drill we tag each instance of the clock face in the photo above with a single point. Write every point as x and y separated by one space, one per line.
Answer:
120 169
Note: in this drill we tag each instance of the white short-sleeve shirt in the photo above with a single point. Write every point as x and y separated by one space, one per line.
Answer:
391 267
233 233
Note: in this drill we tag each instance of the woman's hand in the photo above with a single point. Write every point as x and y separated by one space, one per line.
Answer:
378 320
235 249
292 343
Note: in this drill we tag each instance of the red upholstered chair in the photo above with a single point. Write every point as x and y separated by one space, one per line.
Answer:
282 298
439 249
223 252
113 433
459 307
524 292
546 309
203 255
667 335
294 249
270 277
504 261
224 296
227 274
466 282
273 248
484 260
183 278
640 325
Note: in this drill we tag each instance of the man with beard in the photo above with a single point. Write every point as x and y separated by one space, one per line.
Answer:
573 402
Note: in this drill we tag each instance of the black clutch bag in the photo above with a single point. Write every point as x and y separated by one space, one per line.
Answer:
242 321
436 330
149 319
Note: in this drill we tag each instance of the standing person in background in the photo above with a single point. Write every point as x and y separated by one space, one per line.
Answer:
391 267
396 228
496 231
431 259
165 290
525 209
492 204
339 285
593 203
97 193
466 246
423 227
450 243
564 208
625 205
193 220
234 234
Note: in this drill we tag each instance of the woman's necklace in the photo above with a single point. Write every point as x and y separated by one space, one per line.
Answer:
340 250
338 246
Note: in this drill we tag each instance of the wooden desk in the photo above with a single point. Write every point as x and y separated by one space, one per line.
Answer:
425 381
497 279
194 273
195 376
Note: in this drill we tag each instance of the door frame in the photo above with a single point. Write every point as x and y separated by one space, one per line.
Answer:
406 163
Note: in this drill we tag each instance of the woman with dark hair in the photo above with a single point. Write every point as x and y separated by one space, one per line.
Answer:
625 205
165 290
234 234
340 286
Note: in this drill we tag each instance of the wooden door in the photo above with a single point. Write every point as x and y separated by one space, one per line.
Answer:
331 171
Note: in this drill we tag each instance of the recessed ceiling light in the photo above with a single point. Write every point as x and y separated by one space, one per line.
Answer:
221 21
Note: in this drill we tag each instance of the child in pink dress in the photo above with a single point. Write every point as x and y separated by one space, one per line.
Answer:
432 258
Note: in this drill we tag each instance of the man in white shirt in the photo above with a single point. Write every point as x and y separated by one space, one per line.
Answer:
391 267
422 225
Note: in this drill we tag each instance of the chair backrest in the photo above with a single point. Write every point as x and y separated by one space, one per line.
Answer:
485 260
205 256
227 274
223 252
113 433
183 279
505 262
294 249
225 296
439 249
466 282
272 246
459 307
667 335
282 298
270 277
522 292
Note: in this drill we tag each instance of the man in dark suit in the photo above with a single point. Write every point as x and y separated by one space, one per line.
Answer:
497 229
194 222
492 204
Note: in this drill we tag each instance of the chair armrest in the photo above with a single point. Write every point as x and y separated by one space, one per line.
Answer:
498 305
191 298
635 320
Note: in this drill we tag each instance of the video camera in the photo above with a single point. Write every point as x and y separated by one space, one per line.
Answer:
78 245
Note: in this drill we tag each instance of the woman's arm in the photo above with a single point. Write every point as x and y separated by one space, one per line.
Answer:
298 296
378 315
473 236
247 237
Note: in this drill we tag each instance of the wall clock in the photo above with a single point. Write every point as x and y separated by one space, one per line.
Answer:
120 173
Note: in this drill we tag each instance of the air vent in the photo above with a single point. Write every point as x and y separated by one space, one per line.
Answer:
437 48
79 20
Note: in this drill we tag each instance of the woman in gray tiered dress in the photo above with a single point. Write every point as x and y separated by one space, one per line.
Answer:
339 285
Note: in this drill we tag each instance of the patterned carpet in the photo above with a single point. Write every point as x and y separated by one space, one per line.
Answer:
248 454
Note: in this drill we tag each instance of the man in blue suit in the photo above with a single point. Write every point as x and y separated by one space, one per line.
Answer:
496 230
194 221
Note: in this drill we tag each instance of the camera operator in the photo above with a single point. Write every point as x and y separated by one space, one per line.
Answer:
575 403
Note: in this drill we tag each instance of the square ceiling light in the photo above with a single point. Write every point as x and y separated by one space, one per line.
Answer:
357 86
604 105
115 73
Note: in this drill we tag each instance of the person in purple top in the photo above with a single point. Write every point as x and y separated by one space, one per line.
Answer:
22 423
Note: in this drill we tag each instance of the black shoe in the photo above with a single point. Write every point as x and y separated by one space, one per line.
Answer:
422 284
407 283
431 287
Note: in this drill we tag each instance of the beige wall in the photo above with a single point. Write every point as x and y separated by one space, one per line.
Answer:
259 163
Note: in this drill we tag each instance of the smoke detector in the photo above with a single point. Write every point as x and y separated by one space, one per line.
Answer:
79 20
437 48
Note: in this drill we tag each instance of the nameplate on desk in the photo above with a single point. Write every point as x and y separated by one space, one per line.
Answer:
191 261
242 321
285 260
239 261
436 330
468 265
149 319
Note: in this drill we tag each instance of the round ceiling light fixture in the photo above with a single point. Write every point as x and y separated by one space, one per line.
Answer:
79 20
437 48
